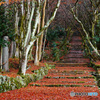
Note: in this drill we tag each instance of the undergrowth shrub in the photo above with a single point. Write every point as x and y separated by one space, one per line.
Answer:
10 83
54 34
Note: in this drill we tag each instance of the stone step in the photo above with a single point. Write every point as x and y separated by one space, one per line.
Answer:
75 43
76 49
69 77
75 52
75 68
76 34
76 38
76 57
76 46
74 61
59 64
61 85
68 82
79 59
63 81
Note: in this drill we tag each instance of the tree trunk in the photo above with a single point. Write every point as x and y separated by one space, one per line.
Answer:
24 62
36 62
45 32
1 58
5 56
86 33
35 34
41 38
14 49
11 50
17 52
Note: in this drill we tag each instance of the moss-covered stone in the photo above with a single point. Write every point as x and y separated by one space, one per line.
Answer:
7 83
56 85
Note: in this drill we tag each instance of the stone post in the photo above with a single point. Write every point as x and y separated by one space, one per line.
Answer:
5 56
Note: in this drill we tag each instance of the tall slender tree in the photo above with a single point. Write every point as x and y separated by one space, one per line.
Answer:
93 13
30 30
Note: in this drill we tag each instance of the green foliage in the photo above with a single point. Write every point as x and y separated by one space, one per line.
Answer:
55 34
98 28
54 44
56 53
7 83
6 24
97 36
59 49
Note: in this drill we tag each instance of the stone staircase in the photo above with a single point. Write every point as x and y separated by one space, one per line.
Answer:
75 53
61 81
71 74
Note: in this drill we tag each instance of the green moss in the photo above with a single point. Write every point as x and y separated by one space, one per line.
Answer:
35 85
16 83
56 85
89 86
8 83
57 77
81 82
88 77
72 77
19 72
0 70
48 77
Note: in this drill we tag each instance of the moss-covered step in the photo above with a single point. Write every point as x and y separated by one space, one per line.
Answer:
58 72
57 77
64 81
57 85
69 64
61 85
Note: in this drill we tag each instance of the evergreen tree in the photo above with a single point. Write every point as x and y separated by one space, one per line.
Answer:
6 25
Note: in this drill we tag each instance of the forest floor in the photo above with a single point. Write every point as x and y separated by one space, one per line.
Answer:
57 85
13 63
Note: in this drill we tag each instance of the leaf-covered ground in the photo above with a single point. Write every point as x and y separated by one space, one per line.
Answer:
59 82
14 67
57 85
